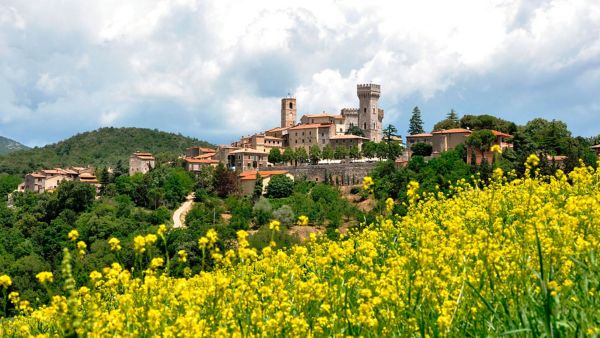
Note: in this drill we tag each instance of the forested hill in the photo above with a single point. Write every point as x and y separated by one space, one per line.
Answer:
99 148
7 145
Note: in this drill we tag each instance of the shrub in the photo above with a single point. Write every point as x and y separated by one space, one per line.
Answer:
280 186
263 211
285 215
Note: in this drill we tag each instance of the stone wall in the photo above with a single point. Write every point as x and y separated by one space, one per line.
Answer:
338 174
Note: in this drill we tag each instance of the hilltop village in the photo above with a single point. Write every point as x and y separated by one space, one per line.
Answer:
334 145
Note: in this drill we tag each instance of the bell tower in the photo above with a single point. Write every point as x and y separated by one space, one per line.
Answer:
288 112
369 114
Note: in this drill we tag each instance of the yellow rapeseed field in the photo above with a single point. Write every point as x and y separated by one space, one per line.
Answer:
516 257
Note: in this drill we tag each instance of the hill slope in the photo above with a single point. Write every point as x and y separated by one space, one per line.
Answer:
7 146
99 148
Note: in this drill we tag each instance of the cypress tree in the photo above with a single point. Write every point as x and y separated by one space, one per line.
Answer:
416 123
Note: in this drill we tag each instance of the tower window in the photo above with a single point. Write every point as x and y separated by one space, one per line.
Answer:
291 105
365 127
365 110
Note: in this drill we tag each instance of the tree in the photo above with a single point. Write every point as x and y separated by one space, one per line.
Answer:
451 121
225 181
369 149
421 149
76 196
289 155
258 187
393 147
416 123
301 155
354 152
340 152
327 152
314 154
275 156
481 140
479 122
355 130
280 186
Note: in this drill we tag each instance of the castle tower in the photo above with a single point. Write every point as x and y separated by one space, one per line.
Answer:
288 112
369 114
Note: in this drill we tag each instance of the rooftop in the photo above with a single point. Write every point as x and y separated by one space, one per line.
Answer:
499 133
453 131
347 137
251 175
420 135
311 126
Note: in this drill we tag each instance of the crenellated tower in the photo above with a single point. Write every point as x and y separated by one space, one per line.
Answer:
370 116
288 112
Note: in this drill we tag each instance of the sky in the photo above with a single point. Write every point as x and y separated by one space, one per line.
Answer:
216 70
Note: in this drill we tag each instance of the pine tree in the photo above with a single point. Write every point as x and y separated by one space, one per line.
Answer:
452 116
416 123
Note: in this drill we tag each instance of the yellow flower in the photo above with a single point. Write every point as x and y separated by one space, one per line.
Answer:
5 281
274 225
156 263
212 236
150 239
368 183
45 277
162 229
95 275
115 244
496 149
182 256
389 204
413 187
81 245
533 160
302 220
203 242
139 244
73 235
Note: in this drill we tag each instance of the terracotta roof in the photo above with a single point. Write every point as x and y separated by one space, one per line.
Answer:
37 175
273 138
311 126
347 137
597 146
247 150
420 135
556 157
251 175
453 131
196 160
56 171
207 155
499 133
87 175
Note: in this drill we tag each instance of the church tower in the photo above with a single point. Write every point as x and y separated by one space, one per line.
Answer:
288 112
369 114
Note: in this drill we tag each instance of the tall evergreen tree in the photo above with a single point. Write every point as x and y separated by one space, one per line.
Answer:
416 123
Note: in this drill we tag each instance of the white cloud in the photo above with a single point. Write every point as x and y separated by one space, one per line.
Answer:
218 68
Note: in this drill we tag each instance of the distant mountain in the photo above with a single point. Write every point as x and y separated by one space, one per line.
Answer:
100 148
8 146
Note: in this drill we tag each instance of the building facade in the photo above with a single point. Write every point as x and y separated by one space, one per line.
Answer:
140 162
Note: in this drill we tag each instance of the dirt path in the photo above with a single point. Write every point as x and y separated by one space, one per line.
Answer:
179 214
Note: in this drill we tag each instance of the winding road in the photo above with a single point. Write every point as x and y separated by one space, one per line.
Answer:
179 214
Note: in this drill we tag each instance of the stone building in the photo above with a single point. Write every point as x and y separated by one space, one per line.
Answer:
444 140
370 117
140 162
248 180
596 149
48 180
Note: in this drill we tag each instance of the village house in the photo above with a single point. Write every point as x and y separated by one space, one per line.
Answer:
140 162
247 159
596 149
444 140
196 164
248 179
347 141
48 180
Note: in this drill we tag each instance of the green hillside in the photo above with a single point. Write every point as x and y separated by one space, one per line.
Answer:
8 146
99 148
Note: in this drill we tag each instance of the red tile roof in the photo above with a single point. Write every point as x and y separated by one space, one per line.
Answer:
597 146
453 131
347 137
499 133
311 126
197 160
420 135
251 175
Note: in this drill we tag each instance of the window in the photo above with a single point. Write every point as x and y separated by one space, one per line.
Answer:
365 110
365 127
340 130
291 105
302 133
